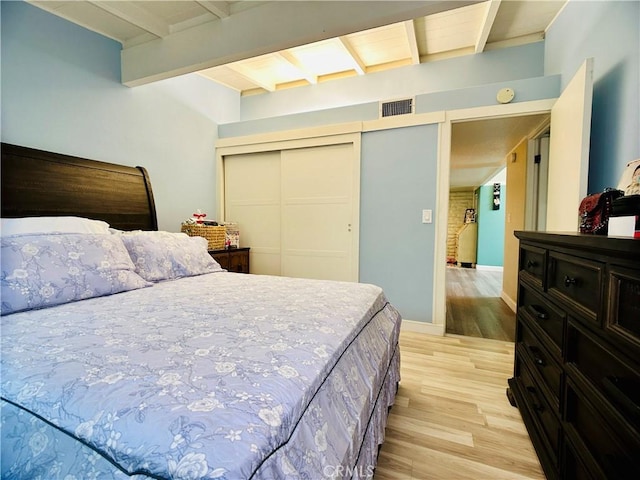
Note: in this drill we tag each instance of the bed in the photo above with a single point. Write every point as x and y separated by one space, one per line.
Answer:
159 364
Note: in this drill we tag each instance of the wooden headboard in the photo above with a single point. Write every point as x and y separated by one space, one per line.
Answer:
39 183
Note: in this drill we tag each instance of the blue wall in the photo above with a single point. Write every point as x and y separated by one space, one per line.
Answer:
610 33
397 181
491 227
480 95
510 64
399 166
61 92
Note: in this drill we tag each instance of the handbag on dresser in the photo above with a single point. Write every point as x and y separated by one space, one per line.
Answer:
595 211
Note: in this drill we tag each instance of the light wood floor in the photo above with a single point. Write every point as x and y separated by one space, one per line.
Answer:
451 419
474 306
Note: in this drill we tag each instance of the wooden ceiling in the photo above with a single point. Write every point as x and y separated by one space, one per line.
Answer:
256 47
456 28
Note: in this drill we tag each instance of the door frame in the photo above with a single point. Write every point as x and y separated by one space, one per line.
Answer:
439 313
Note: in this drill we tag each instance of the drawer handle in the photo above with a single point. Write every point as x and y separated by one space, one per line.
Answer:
531 263
613 386
568 281
536 406
537 356
539 311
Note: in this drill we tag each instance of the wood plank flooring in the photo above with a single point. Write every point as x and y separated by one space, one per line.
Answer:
451 419
474 306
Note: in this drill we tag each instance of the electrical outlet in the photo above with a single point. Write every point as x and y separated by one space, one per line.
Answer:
426 216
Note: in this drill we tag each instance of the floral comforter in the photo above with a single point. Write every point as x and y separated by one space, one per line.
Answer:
215 376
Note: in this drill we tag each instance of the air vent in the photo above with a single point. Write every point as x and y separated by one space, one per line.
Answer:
396 107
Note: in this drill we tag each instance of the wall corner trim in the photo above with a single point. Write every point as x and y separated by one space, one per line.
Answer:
509 301
422 327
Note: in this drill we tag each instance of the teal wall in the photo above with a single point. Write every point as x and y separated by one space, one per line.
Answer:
608 31
61 92
397 181
491 227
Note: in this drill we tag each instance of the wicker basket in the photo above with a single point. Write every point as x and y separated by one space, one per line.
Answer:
214 235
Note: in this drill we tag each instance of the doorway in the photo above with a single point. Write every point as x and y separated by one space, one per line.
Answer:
489 158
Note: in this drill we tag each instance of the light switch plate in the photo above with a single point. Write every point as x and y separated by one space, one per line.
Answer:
426 216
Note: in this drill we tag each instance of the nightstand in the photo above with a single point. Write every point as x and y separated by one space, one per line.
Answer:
232 259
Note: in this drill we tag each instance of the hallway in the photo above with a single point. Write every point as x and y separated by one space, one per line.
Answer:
474 306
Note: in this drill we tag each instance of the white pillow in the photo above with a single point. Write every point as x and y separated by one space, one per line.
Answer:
30 225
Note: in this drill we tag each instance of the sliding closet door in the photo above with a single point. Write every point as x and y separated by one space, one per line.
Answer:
252 199
298 208
319 217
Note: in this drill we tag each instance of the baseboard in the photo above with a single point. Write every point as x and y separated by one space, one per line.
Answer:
509 301
422 327
491 268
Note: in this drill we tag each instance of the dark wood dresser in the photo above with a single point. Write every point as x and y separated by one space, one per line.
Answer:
232 259
577 359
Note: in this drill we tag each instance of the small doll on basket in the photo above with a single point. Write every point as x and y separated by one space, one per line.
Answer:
199 216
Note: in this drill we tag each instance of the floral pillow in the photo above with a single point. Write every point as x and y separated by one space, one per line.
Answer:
167 256
50 269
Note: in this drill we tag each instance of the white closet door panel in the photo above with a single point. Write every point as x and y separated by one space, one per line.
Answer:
317 212
318 173
314 266
317 228
253 176
252 199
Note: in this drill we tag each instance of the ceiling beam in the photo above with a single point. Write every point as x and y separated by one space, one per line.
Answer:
266 28
487 23
288 57
248 74
410 28
135 15
358 65
219 9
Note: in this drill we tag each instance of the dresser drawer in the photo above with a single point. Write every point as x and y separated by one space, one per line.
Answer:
576 283
578 348
222 258
238 261
615 452
548 369
575 467
535 307
618 382
543 414
623 319
233 259
532 263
